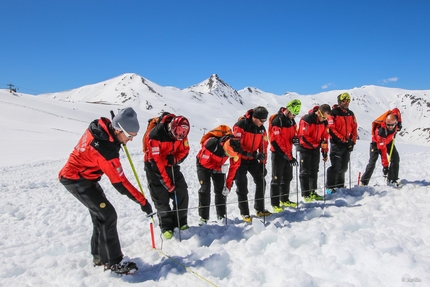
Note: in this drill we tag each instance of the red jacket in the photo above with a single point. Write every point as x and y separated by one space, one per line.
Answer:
212 156
342 125
382 137
253 139
282 131
97 153
160 145
312 133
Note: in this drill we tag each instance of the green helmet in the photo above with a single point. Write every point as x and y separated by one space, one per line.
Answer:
343 97
294 107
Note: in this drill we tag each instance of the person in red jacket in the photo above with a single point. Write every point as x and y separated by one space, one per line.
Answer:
342 125
210 159
97 153
167 147
253 140
383 144
282 131
313 137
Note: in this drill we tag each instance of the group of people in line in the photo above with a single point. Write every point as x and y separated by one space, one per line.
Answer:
246 147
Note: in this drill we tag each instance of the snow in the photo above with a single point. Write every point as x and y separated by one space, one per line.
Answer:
366 236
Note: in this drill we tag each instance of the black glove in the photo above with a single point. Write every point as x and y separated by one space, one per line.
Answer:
385 170
324 155
399 126
349 143
293 162
296 141
170 159
260 156
146 208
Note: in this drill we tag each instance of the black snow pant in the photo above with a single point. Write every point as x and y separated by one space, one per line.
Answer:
167 216
339 159
309 167
393 172
104 241
257 171
204 175
282 174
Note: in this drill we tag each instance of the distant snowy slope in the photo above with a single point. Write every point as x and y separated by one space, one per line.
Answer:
218 101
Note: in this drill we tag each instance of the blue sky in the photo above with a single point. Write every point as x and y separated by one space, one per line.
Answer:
277 46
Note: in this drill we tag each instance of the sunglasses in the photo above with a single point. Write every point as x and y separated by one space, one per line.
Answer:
391 125
129 136
321 115
261 120
346 101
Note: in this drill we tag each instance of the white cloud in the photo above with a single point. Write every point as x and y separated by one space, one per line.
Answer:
326 86
385 81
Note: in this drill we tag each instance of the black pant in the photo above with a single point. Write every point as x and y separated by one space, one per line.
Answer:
309 167
393 173
339 158
161 197
104 241
282 174
204 175
256 170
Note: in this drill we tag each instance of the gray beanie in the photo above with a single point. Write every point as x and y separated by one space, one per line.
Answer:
127 118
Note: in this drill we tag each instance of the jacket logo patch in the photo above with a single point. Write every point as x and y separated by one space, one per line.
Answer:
120 171
155 150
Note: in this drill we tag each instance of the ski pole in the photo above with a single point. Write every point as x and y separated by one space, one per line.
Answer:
389 157
264 192
133 169
349 171
176 203
224 170
324 183
297 182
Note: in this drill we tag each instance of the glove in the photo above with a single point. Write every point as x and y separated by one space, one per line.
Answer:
171 189
324 155
324 145
385 170
225 191
296 141
170 159
147 208
350 145
293 162
260 156
399 126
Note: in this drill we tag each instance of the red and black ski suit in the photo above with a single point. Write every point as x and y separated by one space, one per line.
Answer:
382 144
97 153
166 180
342 126
253 139
210 159
312 134
282 130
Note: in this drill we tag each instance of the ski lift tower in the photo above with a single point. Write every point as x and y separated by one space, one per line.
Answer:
11 88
